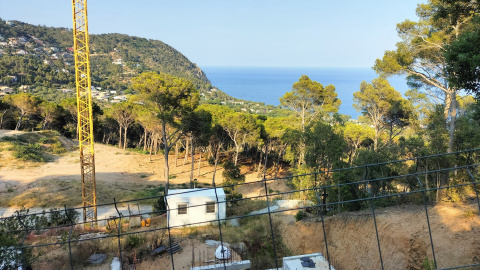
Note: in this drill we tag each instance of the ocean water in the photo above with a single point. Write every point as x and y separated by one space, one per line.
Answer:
268 84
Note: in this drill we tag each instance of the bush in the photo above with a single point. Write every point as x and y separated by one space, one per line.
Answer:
59 217
160 206
133 241
427 264
300 215
232 173
29 152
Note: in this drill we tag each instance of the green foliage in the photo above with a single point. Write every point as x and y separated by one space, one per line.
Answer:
25 220
256 235
300 215
470 213
60 217
232 174
428 265
377 101
309 99
133 241
246 206
30 152
323 146
28 146
43 140
137 54
463 58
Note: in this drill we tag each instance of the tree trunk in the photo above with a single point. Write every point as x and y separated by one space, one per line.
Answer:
167 149
145 141
120 137
237 150
192 148
199 163
151 147
155 144
125 138
259 163
176 154
266 160
280 158
216 162
1 118
453 116
426 178
186 152
19 123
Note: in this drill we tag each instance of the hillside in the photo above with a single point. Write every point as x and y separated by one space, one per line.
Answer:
29 51
123 174
120 174
40 60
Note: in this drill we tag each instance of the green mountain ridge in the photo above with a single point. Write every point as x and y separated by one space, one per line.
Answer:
40 58
114 57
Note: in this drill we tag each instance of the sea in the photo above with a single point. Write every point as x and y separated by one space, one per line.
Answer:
268 84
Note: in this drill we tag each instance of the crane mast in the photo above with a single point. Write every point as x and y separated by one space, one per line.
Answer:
84 109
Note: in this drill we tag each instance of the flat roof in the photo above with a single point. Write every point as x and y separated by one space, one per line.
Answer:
197 192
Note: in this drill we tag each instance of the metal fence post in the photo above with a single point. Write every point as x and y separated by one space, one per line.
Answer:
220 226
271 225
168 228
119 229
324 232
428 220
372 198
69 237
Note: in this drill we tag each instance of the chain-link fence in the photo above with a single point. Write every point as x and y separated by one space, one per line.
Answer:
57 239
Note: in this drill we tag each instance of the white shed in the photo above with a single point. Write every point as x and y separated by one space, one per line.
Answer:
191 206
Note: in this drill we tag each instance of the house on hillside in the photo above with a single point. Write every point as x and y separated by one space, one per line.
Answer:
118 61
195 207
5 90
13 78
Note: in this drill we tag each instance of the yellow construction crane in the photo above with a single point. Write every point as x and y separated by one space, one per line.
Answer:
84 109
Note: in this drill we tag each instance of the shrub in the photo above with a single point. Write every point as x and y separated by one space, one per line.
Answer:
133 241
232 173
159 206
300 215
427 264
470 213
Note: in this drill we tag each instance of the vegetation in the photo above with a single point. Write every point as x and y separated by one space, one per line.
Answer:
163 112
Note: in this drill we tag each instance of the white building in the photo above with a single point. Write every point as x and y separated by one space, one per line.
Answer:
195 206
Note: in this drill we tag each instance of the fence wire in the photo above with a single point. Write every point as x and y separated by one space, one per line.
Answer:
25 223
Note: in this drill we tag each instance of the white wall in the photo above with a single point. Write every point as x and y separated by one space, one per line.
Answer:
197 210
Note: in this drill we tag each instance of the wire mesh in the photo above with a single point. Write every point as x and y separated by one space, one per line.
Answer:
372 189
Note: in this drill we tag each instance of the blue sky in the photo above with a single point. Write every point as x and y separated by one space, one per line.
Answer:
301 33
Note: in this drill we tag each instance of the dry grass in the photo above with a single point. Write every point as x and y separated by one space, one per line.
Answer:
54 192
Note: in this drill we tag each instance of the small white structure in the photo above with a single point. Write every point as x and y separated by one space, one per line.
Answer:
191 206
314 261
223 253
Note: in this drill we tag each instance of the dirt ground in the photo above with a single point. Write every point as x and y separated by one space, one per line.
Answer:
403 234
117 173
